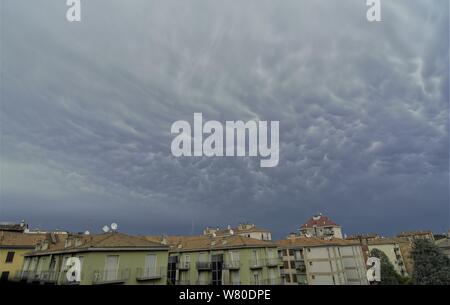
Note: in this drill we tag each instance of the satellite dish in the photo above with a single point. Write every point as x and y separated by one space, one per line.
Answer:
87 233
114 226
105 229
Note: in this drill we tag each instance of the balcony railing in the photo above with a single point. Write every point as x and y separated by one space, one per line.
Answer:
183 282
49 277
271 281
300 266
203 282
144 274
110 276
256 263
232 265
183 265
204 266
236 282
273 262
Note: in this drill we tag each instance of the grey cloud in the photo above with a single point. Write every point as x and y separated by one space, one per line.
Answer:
363 108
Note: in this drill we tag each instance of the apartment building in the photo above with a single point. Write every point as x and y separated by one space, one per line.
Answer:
320 226
243 229
13 246
315 261
109 258
397 251
411 235
221 260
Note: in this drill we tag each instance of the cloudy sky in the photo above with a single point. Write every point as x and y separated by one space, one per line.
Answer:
86 110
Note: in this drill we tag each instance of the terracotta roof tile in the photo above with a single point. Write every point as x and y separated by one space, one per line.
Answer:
318 221
17 239
208 242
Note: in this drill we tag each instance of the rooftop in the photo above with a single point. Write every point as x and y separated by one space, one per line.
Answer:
19 239
208 242
319 221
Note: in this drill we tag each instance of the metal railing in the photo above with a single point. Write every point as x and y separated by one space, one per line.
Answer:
204 265
273 262
143 274
234 264
203 282
110 276
256 263
183 265
300 266
270 281
49 276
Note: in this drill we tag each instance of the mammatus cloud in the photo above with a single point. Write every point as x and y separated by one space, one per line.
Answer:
87 108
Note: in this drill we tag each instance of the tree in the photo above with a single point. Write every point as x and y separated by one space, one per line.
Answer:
431 266
388 274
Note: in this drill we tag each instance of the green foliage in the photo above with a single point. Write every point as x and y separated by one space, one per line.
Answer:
431 266
388 274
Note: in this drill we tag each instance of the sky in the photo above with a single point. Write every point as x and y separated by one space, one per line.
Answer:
87 107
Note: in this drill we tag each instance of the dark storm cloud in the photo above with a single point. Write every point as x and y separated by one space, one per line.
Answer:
363 108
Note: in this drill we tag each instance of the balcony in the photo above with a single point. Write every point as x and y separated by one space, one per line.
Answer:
204 266
256 264
273 262
49 277
234 283
300 266
272 281
328 232
183 282
183 265
203 282
146 274
110 276
232 265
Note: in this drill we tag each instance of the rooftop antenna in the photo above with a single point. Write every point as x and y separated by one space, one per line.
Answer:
114 226
105 229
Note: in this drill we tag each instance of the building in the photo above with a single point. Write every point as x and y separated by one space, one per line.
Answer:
321 226
246 229
13 227
397 250
444 245
13 245
221 260
109 258
316 261
417 235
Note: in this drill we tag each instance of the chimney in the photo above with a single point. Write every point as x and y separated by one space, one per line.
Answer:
164 240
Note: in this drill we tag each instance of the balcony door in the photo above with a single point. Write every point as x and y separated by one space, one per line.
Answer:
111 268
217 265
150 265
255 256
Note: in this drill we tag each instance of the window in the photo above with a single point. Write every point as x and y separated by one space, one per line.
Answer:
9 257
291 252
150 265
292 264
288 278
286 264
294 278
111 268
4 276
310 263
285 252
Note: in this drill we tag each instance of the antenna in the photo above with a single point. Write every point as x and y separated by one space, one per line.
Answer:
114 226
87 232
105 229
